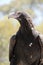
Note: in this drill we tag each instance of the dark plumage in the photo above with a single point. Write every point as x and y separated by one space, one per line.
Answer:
25 46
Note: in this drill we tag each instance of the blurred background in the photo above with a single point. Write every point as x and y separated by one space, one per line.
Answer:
9 27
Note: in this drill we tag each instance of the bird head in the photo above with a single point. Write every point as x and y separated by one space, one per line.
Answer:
23 18
17 15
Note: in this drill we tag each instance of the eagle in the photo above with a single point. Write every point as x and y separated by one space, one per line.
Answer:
26 46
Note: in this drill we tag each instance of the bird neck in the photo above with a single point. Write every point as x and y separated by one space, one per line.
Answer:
27 34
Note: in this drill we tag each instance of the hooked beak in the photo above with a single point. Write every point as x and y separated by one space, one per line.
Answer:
14 15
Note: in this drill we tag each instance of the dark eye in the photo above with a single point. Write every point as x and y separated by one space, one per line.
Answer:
18 13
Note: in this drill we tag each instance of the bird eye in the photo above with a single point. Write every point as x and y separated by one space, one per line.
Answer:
18 13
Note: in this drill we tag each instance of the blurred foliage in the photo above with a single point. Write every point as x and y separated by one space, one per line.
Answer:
40 28
18 5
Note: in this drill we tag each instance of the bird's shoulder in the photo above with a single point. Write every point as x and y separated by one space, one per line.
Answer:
13 40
